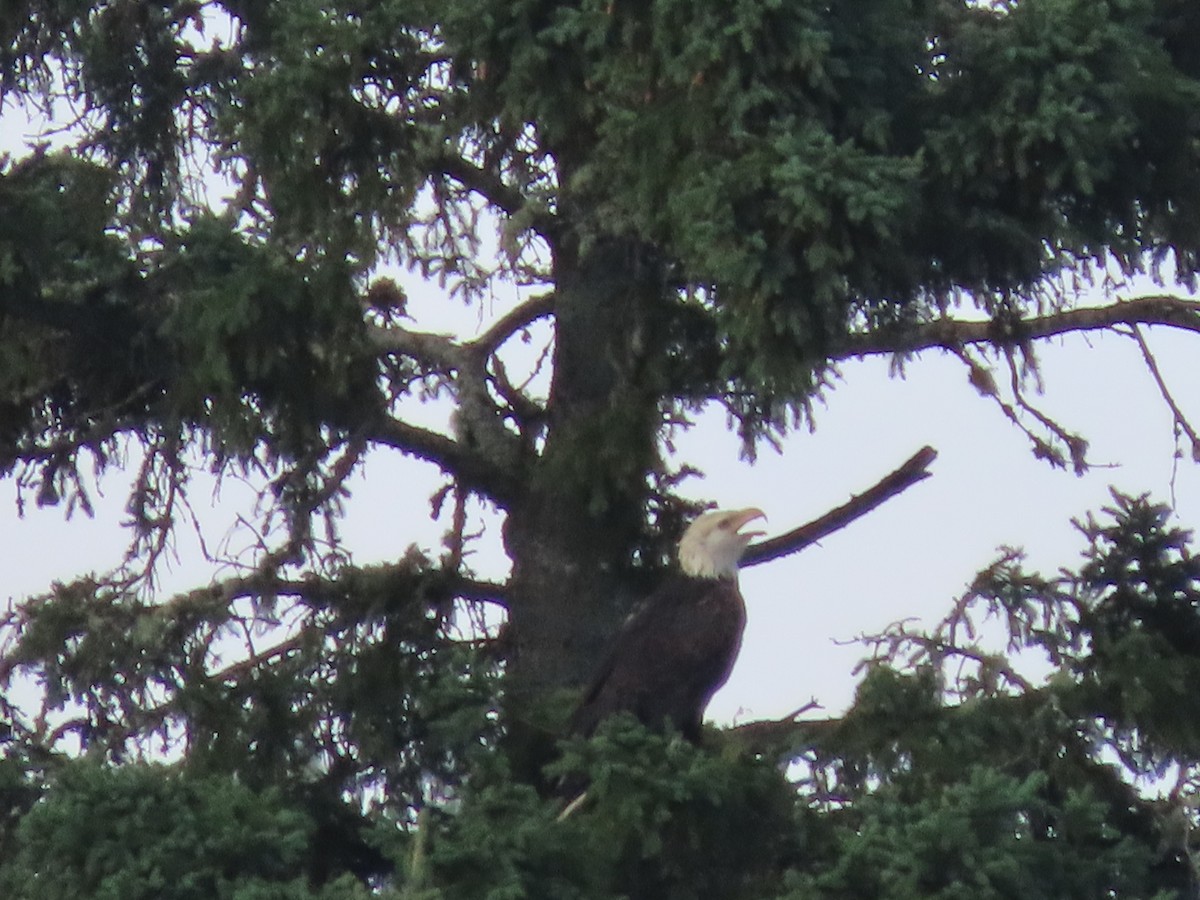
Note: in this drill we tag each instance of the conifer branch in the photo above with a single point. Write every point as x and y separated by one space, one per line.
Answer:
263 582
483 182
521 316
474 470
1157 309
434 351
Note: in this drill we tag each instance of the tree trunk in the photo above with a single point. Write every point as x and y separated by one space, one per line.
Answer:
571 536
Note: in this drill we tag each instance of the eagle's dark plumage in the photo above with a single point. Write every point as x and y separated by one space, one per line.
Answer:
678 647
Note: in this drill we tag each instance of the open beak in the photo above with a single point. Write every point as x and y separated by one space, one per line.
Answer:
745 516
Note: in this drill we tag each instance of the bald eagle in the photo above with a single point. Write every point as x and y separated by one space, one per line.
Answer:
678 647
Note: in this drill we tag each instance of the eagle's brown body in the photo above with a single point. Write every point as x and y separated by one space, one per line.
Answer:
679 646
670 658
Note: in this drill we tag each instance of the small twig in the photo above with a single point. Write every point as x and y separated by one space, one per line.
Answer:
572 807
983 381
1076 445
522 409
915 469
417 861
236 670
1152 364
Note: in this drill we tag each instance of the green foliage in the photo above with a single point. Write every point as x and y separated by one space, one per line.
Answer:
830 163
983 834
1063 771
214 331
266 350
370 703
313 112
997 797
505 843
154 832
1142 584
660 819
68 299
804 165
943 780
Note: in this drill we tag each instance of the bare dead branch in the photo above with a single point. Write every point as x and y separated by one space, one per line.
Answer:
915 469
780 739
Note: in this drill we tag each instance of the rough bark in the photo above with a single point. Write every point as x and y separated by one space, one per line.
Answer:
571 532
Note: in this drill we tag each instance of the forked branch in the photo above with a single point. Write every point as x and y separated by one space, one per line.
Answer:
483 454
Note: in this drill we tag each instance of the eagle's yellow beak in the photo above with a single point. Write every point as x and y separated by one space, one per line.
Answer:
744 516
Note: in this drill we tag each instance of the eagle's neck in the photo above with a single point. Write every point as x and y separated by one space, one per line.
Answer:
702 565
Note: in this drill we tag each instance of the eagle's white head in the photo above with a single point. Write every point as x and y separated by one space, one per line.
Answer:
714 543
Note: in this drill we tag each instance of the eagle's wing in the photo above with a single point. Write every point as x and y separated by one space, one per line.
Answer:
669 658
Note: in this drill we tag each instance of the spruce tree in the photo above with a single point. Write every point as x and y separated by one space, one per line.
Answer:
697 204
